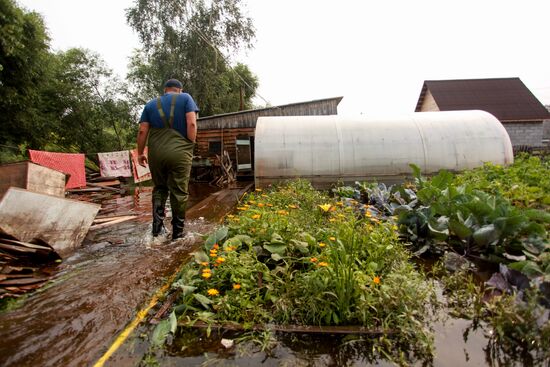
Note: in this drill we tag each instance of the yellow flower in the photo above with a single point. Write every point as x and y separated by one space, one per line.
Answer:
258 190
339 203
376 280
332 220
213 254
220 260
332 238
213 292
292 206
236 286
325 207
261 205
394 227
368 214
264 195
256 216
322 263
251 202
282 212
242 208
313 259
322 244
206 275
269 205
204 263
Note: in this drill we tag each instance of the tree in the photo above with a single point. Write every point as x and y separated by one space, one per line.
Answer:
87 105
24 65
187 40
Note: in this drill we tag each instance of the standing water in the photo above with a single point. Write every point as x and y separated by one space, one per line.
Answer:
98 290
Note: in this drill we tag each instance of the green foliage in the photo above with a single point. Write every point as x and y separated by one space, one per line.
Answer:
66 101
525 183
180 40
24 65
294 256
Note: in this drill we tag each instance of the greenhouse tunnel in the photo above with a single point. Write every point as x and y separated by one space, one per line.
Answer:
327 149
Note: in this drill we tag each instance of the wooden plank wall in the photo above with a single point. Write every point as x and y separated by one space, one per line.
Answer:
229 138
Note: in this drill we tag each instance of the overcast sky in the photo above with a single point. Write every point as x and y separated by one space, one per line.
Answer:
376 54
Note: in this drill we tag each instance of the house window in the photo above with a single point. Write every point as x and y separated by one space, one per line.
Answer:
214 147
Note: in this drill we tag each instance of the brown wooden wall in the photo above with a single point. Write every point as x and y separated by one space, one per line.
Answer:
229 138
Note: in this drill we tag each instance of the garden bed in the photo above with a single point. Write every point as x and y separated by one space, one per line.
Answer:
294 257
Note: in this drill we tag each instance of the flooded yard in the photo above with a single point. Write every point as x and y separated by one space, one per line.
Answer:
98 291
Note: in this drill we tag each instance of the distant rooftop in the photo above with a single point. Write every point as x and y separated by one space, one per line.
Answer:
507 99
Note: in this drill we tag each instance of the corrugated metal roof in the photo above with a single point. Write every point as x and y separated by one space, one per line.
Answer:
506 98
337 99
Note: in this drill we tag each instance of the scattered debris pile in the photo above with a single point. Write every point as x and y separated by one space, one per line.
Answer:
96 183
23 265
223 171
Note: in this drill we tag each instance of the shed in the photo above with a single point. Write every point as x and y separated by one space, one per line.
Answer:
508 99
234 132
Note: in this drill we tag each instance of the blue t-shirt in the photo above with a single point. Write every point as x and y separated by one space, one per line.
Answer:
184 104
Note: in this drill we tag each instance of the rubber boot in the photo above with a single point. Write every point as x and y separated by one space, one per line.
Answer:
177 227
158 218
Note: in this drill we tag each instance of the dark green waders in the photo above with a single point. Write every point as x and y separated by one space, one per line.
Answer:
170 157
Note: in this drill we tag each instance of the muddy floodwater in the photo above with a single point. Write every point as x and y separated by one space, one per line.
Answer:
97 291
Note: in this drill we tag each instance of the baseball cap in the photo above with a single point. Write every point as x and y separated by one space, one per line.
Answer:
173 83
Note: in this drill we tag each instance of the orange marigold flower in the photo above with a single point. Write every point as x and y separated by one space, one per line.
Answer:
206 275
204 263
323 263
269 205
216 246
236 286
220 260
261 205
376 280
213 292
242 208
256 216
313 260
282 212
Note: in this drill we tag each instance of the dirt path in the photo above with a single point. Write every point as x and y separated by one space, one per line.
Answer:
100 288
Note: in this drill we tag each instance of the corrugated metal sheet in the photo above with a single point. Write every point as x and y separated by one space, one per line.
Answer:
506 98
247 119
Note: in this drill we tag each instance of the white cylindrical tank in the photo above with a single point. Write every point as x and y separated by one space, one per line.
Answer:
326 149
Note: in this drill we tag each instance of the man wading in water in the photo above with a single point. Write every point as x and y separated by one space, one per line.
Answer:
170 122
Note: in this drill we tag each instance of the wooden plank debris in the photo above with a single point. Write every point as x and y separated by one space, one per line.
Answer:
59 222
102 223
300 329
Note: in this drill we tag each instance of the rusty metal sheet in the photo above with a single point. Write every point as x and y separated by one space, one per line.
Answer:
61 223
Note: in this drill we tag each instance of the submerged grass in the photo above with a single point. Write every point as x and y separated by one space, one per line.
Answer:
294 256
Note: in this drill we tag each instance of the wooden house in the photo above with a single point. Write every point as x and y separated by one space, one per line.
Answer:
234 132
508 99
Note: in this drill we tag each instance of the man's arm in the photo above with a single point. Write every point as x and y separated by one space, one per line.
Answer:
191 118
143 132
